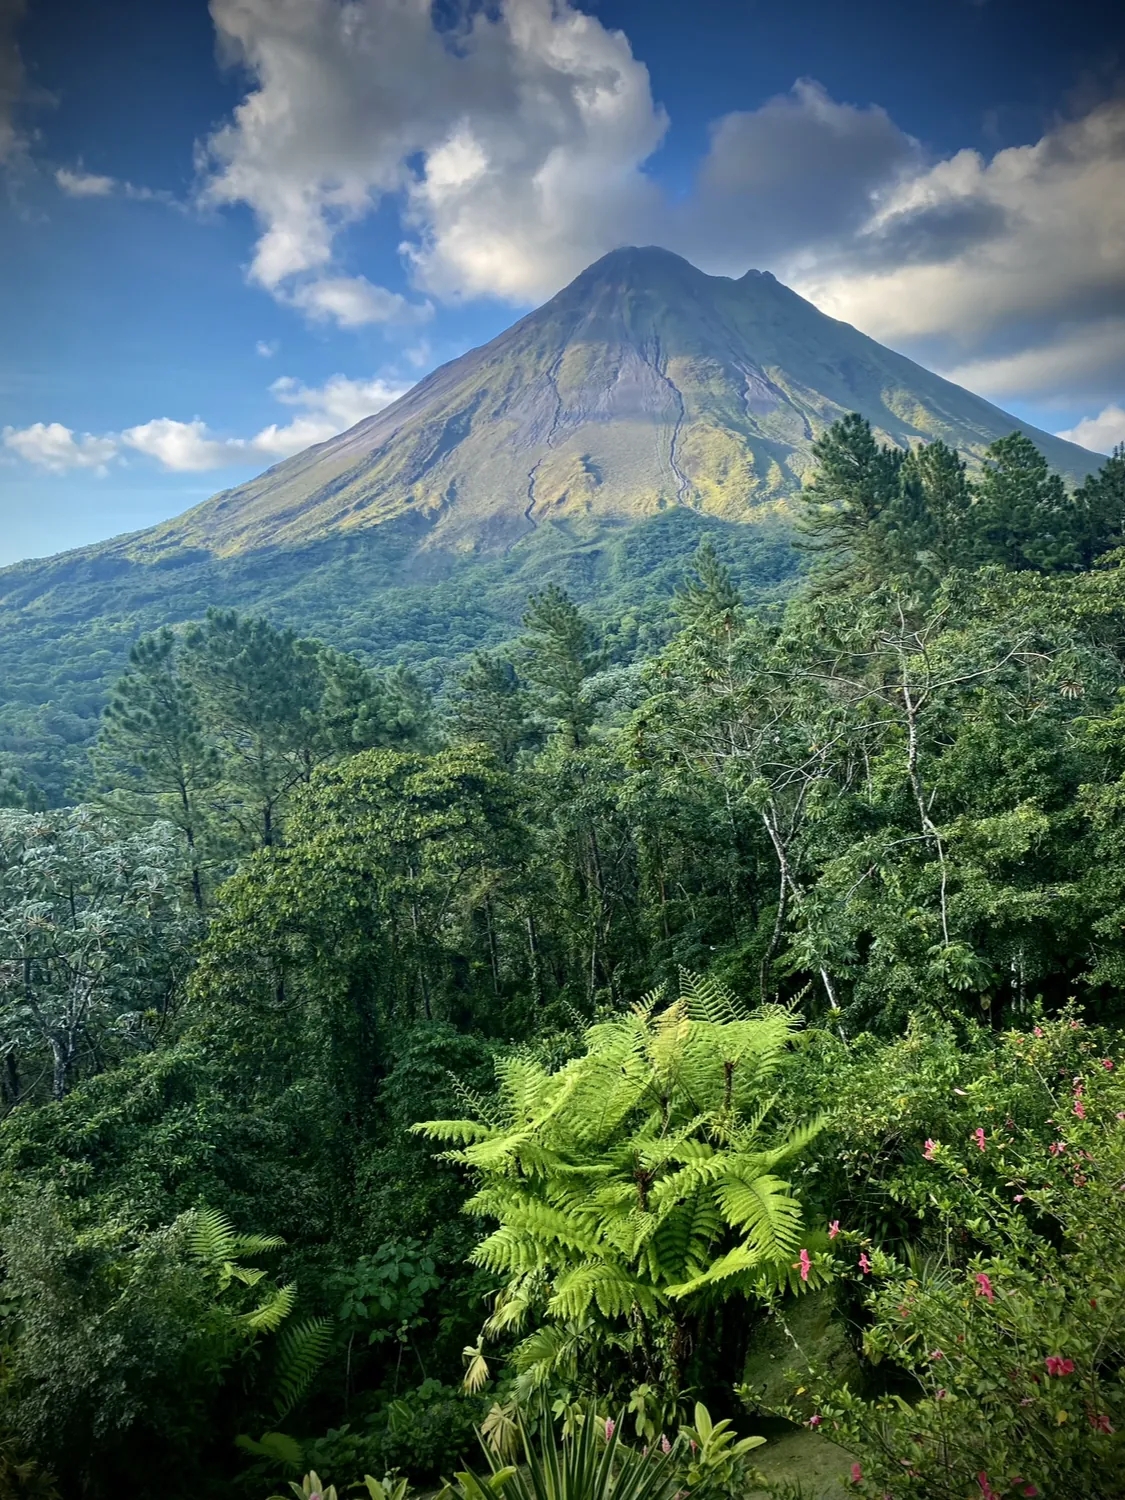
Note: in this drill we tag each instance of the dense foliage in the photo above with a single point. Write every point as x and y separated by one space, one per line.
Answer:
745 957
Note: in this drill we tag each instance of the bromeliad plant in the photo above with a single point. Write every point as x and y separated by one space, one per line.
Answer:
637 1185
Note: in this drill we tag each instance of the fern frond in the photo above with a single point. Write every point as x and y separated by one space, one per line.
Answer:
212 1235
301 1350
269 1315
766 1212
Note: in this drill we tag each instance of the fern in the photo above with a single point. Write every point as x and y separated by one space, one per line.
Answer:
301 1350
641 1173
272 1311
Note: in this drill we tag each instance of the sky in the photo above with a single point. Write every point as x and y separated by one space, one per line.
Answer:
230 231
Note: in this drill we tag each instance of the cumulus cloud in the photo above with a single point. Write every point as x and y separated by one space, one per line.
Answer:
1102 433
515 140
801 170
515 145
353 301
12 142
51 446
192 447
1000 263
80 184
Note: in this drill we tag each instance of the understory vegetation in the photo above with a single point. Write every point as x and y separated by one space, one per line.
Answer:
608 1059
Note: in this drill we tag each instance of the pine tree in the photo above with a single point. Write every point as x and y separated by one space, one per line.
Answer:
1100 503
709 594
1023 517
857 479
153 747
560 654
490 707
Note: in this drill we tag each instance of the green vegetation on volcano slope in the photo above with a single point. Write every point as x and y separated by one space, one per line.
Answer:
67 624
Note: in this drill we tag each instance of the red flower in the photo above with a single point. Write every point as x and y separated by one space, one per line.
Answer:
1056 1365
984 1286
857 1473
937 1354
1056 1148
1079 1108
1107 1064
815 1421
1100 1422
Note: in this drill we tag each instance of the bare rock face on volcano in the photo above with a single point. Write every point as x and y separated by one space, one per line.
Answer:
644 384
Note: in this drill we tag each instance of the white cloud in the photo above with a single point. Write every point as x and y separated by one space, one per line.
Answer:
184 447
51 446
12 142
530 125
1101 433
515 147
353 301
191 447
80 184
991 259
1063 359
267 350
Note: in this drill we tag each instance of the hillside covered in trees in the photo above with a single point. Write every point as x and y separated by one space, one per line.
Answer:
715 1021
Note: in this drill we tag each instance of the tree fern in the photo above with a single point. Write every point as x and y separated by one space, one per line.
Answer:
641 1176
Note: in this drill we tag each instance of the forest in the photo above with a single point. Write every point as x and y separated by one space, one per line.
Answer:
552 1085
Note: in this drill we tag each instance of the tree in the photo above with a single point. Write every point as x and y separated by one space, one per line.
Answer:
153 746
560 654
636 1184
857 479
93 946
490 707
1100 502
1023 517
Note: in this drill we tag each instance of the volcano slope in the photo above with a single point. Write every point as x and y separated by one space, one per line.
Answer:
593 443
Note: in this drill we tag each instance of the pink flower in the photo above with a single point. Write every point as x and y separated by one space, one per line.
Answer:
1100 1422
987 1492
805 1264
1038 1030
1076 1025
1079 1108
610 1428
937 1354
1030 1491
665 1445
929 1148
857 1473
1056 1148
941 1393
833 1229
1107 1064
984 1286
978 1136
864 1263
1056 1365
815 1421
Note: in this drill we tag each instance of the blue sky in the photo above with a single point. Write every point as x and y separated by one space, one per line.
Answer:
228 232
